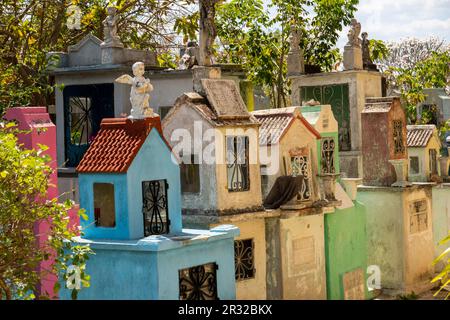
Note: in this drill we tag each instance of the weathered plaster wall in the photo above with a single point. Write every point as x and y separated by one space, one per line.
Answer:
303 257
273 251
362 84
441 218
185 119
421 176
424 159
253 289
227 200
131 271
404 258
345 247
298 136
171 261
378 144
419 247
385 233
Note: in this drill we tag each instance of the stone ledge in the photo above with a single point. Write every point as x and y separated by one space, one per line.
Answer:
156 243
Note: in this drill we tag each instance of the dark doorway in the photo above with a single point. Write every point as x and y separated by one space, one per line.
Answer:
84 108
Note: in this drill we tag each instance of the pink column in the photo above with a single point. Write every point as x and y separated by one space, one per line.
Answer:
43 131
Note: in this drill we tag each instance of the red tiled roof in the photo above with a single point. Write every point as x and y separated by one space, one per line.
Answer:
419 135
275 122
116 144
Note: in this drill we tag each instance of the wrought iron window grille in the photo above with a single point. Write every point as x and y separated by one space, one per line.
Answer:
327 163
399 147
155 207
198 282
244 259
237 160
300 167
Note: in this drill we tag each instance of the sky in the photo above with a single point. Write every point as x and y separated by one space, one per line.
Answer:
392 20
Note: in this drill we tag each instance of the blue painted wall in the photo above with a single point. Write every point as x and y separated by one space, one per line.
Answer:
220 252
153 162
86 185
133 272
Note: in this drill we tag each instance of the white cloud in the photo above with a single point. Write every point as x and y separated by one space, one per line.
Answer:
391 20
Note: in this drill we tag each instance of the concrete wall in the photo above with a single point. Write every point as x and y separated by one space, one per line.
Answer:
419 247
130 272
441 218
303 257
297 136
185 119
345 248
153 162
253 289
241 200
273 251
362 84
421 176
404 259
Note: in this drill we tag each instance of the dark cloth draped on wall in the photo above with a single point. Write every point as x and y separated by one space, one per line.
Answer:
284 189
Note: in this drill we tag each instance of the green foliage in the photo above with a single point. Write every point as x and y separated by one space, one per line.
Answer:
24 180
30 28
250 35
432 72
378 50
444 276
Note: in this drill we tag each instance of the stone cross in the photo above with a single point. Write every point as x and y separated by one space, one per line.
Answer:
111 38
208 31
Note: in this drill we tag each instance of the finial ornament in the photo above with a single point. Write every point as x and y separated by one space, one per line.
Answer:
111 37
353 34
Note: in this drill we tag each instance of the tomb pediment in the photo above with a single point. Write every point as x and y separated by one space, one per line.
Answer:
86 52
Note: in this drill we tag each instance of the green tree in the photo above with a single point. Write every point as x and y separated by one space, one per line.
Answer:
30 28
257 38
24 180
432 72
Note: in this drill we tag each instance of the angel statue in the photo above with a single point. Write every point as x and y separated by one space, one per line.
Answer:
140 89
353 34
110 28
